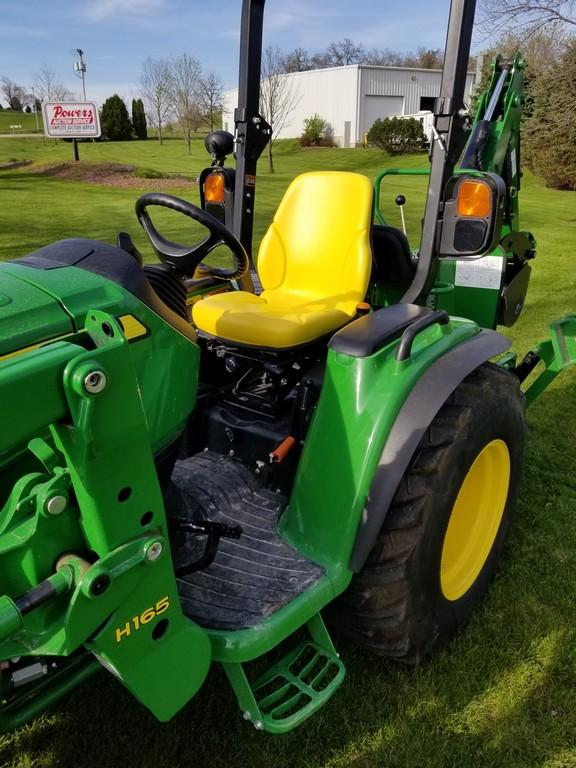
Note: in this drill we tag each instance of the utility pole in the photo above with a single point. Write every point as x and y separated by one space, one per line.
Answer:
79 71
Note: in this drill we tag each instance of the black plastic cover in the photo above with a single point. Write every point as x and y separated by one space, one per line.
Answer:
110 262
368 334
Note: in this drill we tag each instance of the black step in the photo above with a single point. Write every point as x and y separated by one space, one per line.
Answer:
251 577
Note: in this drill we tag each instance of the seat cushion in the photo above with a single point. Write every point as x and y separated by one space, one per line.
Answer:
314 264
274 319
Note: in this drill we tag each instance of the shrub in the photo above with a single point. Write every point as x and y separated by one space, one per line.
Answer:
139 119
116 125
398 135
550 132
149 173
314 131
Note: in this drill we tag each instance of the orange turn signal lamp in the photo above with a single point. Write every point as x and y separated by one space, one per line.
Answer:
474 199
215 188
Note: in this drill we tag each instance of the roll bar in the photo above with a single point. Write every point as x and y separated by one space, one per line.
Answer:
253 133
448 139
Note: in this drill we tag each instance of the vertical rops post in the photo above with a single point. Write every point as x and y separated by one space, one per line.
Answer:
252 131
448 137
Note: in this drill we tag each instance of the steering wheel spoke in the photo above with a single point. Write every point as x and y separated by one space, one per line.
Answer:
186 259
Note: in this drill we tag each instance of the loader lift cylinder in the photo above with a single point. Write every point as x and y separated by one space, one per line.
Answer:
447 142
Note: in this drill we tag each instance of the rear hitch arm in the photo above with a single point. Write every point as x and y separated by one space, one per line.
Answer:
557 353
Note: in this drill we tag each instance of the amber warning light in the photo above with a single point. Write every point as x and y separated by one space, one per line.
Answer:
474 199
214 188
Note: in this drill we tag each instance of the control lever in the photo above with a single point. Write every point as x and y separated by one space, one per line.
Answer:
124 241
401 202
213 531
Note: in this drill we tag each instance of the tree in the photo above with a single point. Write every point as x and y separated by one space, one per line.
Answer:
186 75
139 119
297 60
539 50
116 125
384 58
344 52
425 58
15 94
277 97
156 85
550 131
48 88
526 16
210 97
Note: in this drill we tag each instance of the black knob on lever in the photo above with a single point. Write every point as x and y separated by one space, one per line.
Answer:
400 201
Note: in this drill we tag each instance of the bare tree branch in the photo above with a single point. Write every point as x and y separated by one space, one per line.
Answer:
210 97
156 86
277 96
186 73
15 94
48 88
526 15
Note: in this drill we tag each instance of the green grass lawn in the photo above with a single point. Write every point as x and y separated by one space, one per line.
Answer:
504 692
25 119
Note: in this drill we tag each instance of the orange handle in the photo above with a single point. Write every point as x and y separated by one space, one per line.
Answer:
281 451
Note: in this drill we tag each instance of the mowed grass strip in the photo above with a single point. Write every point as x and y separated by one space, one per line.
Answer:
504 692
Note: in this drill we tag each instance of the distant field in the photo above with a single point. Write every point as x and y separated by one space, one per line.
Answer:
503 695
27 121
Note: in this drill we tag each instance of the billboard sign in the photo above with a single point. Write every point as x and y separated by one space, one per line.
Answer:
71 120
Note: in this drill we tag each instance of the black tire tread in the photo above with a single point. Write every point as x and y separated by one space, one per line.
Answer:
375 612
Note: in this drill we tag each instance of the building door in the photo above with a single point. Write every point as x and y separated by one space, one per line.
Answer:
379 107
427 103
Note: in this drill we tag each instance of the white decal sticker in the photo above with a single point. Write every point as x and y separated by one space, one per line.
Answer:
485 272
513 163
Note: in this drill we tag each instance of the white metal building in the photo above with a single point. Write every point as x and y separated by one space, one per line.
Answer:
352 98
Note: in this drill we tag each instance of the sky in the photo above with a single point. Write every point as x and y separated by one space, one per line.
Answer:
117 35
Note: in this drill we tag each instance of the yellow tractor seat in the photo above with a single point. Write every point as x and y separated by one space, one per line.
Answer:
314 265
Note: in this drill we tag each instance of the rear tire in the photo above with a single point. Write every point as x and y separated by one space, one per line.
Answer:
400 605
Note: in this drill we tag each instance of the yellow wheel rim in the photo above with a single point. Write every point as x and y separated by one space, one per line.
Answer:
475 520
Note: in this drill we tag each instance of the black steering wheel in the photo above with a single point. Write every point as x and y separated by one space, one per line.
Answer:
183 258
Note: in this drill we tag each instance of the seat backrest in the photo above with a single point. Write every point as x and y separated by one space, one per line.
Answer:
318 244
393 262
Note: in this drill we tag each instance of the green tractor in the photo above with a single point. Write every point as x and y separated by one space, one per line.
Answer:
198 462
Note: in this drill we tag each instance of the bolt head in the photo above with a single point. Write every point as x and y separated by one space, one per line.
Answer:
154 551
99 585
95 382
56 505
258 725
246 715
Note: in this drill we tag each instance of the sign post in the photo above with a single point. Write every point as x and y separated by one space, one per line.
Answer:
71 120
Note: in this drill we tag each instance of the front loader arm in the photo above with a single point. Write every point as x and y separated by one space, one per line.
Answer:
494 143
98 573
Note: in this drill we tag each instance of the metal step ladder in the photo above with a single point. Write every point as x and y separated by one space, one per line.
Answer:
295 687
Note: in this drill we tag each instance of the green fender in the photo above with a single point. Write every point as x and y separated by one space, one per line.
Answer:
417 413
371 415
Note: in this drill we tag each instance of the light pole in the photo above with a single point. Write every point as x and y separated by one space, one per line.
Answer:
79 71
